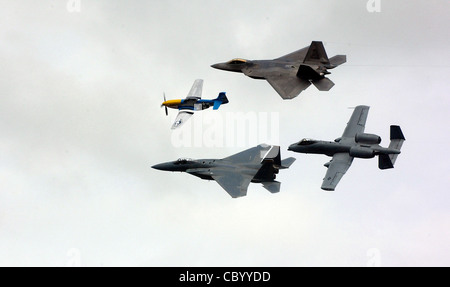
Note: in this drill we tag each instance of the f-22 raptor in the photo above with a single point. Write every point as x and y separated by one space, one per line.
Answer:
259 164
354 143
291 74
193 102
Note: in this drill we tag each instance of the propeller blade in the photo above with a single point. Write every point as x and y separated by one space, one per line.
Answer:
165 107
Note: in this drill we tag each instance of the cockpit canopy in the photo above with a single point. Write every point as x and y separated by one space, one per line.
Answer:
183 160
237 61
307 142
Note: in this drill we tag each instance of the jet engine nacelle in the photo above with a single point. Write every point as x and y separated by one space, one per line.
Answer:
361 152
367 138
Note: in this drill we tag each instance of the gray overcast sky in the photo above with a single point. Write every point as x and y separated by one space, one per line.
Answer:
81 124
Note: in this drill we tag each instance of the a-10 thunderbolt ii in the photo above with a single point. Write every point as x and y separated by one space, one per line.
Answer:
193 102
354 143
291 74
259 164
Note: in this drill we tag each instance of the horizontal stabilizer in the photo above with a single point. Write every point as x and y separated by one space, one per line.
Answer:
337 61
273 186
323 84
217 105
287 162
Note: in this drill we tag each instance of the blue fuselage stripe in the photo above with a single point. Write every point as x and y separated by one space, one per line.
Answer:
183 106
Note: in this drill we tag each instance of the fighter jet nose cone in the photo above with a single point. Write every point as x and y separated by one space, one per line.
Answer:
221 66
159 166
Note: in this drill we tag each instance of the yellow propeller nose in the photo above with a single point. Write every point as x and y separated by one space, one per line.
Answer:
171 103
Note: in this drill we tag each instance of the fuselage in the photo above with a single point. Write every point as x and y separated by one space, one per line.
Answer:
330 148
206 168
263 69
258 69
319 147
188 104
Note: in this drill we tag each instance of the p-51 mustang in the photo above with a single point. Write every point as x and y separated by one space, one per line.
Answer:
353 143
193 102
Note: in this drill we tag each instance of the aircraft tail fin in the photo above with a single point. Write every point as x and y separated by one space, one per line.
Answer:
272 186
221 99
397 140
272 155
254 155
287 162
386 161
316 54
308 73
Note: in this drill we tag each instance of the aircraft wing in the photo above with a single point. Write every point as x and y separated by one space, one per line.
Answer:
288 87
357 122
182 117
196 90
337 167
233 182
297 56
